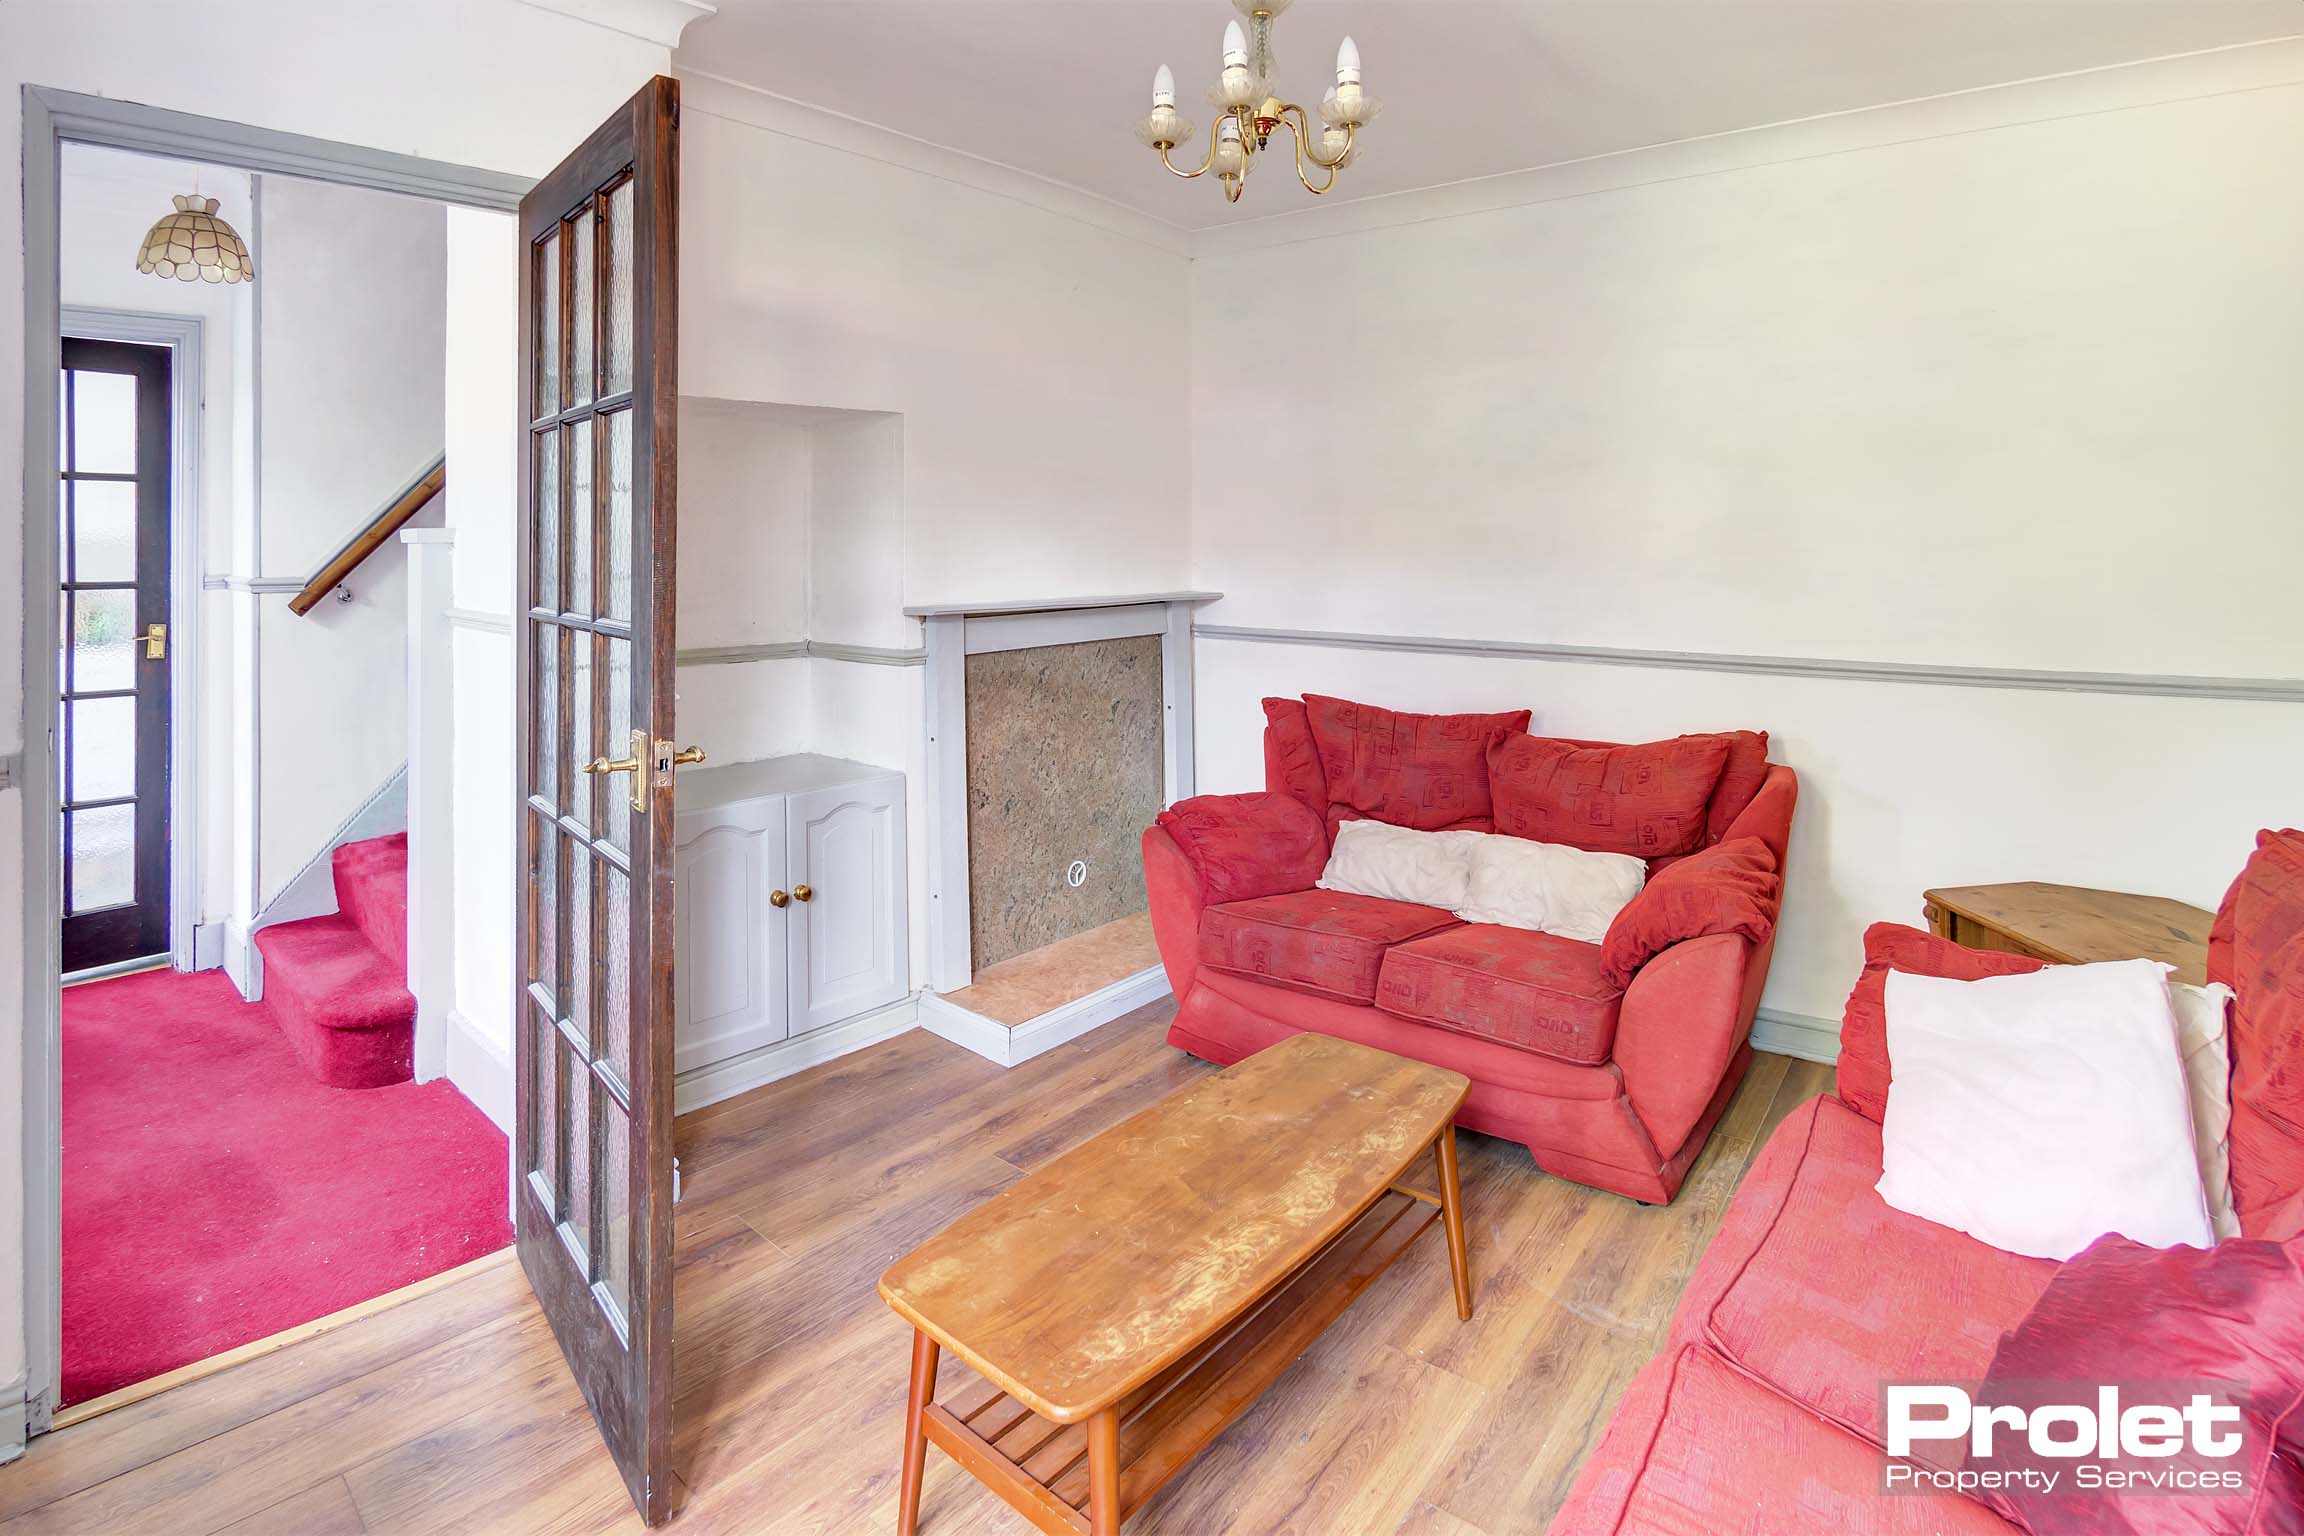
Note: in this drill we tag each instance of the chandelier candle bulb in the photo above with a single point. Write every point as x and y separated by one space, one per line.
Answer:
1163 87
1347 63
1235 46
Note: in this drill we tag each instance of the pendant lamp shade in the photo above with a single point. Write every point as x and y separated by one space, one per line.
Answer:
193 244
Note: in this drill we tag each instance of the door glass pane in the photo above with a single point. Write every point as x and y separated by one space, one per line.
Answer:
104 530
576 1002
544 1123
545 946
580 517
618 727
103 632
619 533
547 751
576 1124
103 860
618 282
548 326
615 1202
103 748
104 423
548 554
616 996
580 317
584 790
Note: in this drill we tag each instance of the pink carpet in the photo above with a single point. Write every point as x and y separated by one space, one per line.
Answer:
214 1193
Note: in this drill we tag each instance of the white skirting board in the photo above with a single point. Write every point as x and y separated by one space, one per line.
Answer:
480 1071
15 1420
1796 1034
704 1085
997 1042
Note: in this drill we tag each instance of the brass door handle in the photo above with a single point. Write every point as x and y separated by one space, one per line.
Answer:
803 893
779 900
687 755
611 765
155 642
633 765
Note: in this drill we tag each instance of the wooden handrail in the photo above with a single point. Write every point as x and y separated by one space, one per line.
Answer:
371 538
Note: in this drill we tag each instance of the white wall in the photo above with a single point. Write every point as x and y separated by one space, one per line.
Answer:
1999 382
351 302
109 200
336 72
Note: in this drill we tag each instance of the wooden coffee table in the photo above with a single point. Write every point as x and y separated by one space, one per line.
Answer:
1132 1297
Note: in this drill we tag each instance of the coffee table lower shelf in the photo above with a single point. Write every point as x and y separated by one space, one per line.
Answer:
1041 1467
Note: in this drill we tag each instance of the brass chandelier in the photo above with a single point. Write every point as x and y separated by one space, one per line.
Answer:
1248 95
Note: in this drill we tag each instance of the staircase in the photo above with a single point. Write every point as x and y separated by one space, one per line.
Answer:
338 985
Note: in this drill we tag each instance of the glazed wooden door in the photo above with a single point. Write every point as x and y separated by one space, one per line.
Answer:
599 392
113 661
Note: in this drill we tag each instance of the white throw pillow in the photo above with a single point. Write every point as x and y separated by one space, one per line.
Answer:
2200 1016
2039 1112
1550 887
1375 858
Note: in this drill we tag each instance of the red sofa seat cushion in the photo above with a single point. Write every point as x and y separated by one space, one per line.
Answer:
1862 1072
1428 772
1245 846
1730 888
1648 800
1328 943
1536 991
1831 1291
2124 1311
2258 948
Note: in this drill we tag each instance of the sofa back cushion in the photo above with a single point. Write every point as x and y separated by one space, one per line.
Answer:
1428 772
1648 800
1291 759
1863 1067
1741 776
1246 846
2257 948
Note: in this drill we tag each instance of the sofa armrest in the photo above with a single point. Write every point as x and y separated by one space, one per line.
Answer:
1244 846
1683 1018
1172 887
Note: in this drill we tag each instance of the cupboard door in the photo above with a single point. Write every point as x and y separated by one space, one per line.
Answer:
728 933
849 953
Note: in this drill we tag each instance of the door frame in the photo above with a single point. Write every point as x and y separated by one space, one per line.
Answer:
52 119
184 337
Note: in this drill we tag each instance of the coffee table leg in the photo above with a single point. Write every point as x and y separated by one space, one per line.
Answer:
1452 1218
1104 1474
924 1354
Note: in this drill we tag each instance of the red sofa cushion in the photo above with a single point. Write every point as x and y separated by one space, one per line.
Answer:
1728 888
1329 943
2124 1311
1536 991
1292 758
1245 846
2260 952
1428 772
1741 776
1863 1069
1647 800
1833 1290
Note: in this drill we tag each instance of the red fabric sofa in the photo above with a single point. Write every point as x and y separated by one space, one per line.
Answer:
1761 1412
1616 1087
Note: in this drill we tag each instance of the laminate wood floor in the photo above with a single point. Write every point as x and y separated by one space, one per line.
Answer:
452 1412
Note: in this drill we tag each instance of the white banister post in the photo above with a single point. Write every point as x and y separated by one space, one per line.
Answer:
431 803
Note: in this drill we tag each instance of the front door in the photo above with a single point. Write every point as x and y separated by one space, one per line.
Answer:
112 719
599 391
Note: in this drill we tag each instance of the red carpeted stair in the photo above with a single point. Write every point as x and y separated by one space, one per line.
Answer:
338 985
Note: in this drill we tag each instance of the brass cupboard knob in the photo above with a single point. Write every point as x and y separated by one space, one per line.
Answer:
779 900
803 893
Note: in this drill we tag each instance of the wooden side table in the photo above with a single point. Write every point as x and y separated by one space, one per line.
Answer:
2072 925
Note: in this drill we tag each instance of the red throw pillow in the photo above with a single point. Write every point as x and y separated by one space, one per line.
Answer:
2262 955
1245 846
1730 888
1740 779
1648 800
1291 759
1863 1070
1421 771
2122 1314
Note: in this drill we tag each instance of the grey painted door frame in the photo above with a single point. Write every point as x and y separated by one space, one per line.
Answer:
53 118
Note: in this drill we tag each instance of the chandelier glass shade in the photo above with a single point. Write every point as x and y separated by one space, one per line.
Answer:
1251 109
192 244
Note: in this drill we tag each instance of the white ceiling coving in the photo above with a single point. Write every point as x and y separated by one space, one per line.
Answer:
1472 87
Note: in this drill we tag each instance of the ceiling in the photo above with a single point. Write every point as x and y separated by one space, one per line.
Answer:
1472 87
